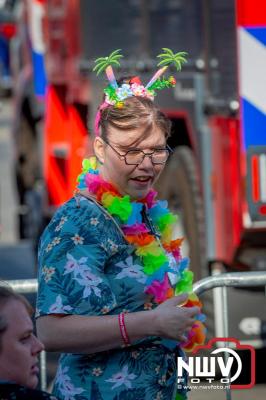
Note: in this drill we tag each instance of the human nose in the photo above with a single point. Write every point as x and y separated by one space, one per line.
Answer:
146 161
37 345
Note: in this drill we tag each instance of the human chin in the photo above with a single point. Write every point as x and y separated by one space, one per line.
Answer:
137 192
33 379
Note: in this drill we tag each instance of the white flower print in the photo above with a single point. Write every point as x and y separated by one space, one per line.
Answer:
147 306
61 376
159 396
104 247
49 247
74 265
97 371
105 310
162 380
58 306
113 246
157 369
56 241
94 221
66 387
135 354
77 239
48 272
61 223
90 281
69 391
131 270
83 275
122 378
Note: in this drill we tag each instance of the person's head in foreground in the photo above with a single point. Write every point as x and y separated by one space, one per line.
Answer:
19 347
131 131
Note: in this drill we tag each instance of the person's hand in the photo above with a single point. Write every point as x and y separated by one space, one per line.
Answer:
173 321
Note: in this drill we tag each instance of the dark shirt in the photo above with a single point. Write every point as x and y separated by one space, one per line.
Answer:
12 391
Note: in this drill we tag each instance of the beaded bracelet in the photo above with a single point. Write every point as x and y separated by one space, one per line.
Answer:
123 331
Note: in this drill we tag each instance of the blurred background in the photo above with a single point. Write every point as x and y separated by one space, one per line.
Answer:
216 178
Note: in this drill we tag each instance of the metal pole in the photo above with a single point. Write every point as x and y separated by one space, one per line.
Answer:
43 374
231 279
216 270
226 333
22 285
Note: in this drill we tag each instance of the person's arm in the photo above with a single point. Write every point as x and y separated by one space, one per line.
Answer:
80 334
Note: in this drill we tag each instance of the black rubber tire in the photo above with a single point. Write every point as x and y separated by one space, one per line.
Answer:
179 184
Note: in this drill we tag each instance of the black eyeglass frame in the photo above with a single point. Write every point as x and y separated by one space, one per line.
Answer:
123 156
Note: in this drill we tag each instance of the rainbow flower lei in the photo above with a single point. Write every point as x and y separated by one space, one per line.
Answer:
167 272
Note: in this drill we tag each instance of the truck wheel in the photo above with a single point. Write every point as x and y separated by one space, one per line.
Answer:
179 184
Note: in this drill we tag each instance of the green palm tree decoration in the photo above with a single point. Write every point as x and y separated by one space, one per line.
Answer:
106 63
168 57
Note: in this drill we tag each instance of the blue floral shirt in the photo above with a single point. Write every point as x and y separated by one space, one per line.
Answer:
87 268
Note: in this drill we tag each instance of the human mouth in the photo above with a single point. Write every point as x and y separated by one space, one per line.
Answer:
35 369
142 182
142 179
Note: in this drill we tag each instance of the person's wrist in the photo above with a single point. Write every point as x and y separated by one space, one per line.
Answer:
152 323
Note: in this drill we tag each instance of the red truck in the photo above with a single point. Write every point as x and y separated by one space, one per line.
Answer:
216 178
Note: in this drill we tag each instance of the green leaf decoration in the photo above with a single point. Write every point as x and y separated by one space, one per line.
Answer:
169 57
102 63
162 83
111 92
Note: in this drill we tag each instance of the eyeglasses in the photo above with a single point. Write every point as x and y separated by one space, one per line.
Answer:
136 157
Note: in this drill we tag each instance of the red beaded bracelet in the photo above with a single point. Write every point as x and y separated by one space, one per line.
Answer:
123 331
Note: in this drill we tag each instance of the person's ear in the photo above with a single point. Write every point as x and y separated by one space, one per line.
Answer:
99 149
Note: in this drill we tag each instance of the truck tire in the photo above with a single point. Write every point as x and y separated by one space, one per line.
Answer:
179 184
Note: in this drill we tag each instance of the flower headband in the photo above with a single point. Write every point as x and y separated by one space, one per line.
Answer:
115 94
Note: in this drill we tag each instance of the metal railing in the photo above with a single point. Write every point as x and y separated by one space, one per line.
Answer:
231 279
223 280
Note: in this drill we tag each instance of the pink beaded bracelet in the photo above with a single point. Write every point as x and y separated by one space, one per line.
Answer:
123 331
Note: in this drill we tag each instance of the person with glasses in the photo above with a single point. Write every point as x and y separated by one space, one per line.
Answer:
109 268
